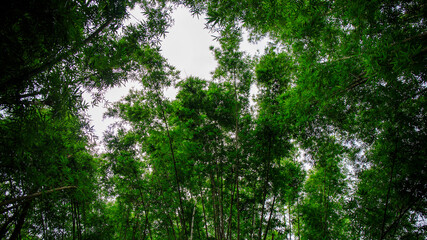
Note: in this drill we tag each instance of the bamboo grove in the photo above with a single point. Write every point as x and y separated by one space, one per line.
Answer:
332 146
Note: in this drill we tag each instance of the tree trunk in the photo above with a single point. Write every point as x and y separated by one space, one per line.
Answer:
289 219
299 235
269 218
135 228
215 207
267 170
230 216
204 212
5 227
17 231
181 213
172 226
236 133
394 156
79 225
74 220
253 221
237 207
220 195
34 195
145 226
192 221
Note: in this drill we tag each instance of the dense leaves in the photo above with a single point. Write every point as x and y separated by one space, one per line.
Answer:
333 145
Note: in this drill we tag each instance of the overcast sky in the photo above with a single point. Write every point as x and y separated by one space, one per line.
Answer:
186 47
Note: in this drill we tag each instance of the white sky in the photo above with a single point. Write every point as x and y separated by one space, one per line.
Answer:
186 47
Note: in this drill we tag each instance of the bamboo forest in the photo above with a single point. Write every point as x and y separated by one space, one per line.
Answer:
332 144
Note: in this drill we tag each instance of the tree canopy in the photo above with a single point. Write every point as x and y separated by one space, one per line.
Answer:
332 147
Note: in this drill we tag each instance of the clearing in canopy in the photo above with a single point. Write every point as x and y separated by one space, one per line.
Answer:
332 146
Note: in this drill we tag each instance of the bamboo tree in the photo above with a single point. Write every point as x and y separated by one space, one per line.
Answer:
343 82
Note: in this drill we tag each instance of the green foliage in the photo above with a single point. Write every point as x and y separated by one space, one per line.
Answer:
333 148
41 152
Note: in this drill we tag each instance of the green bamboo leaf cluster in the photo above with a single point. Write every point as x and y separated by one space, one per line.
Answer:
332 146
